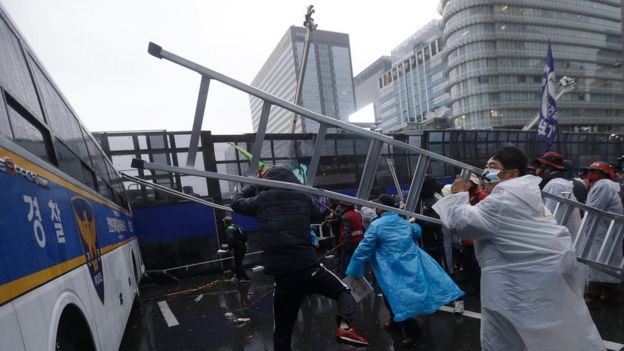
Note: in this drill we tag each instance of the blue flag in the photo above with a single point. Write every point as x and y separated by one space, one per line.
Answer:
548 125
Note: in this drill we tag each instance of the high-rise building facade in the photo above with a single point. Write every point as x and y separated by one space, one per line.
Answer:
496 54
411 90
366 82
328 80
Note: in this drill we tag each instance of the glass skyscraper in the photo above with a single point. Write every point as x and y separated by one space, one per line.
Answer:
327 87
412 89
496 54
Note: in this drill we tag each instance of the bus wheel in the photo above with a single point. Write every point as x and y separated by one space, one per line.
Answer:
73 332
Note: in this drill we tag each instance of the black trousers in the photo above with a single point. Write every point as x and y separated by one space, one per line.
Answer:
239 256
345 252
409 327
471 267
290 289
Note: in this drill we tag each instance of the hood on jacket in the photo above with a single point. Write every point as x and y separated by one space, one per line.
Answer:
609 184
281 173
525 188
430 187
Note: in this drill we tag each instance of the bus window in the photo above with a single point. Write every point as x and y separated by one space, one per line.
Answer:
14 76
97 158
104 189
60 117
5 127
69 163
28 136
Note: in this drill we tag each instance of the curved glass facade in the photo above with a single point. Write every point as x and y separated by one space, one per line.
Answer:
496 51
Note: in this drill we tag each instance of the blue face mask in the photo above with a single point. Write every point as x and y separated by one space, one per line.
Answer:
491 175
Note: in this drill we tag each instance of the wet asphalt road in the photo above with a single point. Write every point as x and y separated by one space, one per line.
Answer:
202 323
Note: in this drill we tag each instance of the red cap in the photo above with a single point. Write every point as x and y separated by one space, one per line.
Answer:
552 159
601 167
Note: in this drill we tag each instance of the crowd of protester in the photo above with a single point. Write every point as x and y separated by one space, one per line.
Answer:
498 240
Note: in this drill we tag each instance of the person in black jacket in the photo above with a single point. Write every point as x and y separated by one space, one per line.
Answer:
284 219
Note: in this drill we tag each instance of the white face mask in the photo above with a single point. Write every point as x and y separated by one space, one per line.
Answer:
491 175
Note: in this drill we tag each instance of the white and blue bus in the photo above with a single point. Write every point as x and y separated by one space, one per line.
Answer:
70 263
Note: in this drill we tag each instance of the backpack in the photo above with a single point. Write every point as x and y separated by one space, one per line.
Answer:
579 190
240 236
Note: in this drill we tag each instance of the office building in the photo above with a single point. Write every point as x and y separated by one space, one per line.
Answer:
367 84
410 91
328 84
496 54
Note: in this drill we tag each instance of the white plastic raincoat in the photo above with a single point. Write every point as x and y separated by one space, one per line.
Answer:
529 274
565 188
562 187
603 195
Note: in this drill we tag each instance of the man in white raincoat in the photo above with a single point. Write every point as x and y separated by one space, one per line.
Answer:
550 167
529 277
603 195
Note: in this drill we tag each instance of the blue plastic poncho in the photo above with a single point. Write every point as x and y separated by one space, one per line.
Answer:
411 280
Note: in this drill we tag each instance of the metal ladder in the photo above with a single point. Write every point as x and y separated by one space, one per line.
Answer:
377 143
605 256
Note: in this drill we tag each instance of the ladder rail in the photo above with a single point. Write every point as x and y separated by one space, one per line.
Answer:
581 206
142 164
170 191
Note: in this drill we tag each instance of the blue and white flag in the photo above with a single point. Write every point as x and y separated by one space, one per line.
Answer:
548 125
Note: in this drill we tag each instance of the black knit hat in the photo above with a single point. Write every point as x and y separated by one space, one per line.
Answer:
385 199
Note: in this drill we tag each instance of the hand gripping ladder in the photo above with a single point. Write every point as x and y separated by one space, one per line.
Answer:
377 143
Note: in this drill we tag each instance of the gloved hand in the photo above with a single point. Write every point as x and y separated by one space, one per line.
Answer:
249 190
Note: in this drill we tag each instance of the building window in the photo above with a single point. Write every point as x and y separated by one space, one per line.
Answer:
495 113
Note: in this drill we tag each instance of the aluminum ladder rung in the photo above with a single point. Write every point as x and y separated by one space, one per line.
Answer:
198 120
370 168
259 140
616 243
605 240
417 182
316 154
580 233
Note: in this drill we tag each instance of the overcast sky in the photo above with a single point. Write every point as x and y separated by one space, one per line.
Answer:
96 51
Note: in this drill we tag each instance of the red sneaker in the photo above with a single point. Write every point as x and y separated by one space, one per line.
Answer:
350 336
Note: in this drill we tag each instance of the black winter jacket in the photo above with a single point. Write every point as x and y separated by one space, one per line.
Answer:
284 218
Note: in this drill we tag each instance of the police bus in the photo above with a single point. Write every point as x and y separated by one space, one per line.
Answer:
70 263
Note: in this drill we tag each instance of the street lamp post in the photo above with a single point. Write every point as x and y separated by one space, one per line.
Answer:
310 27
